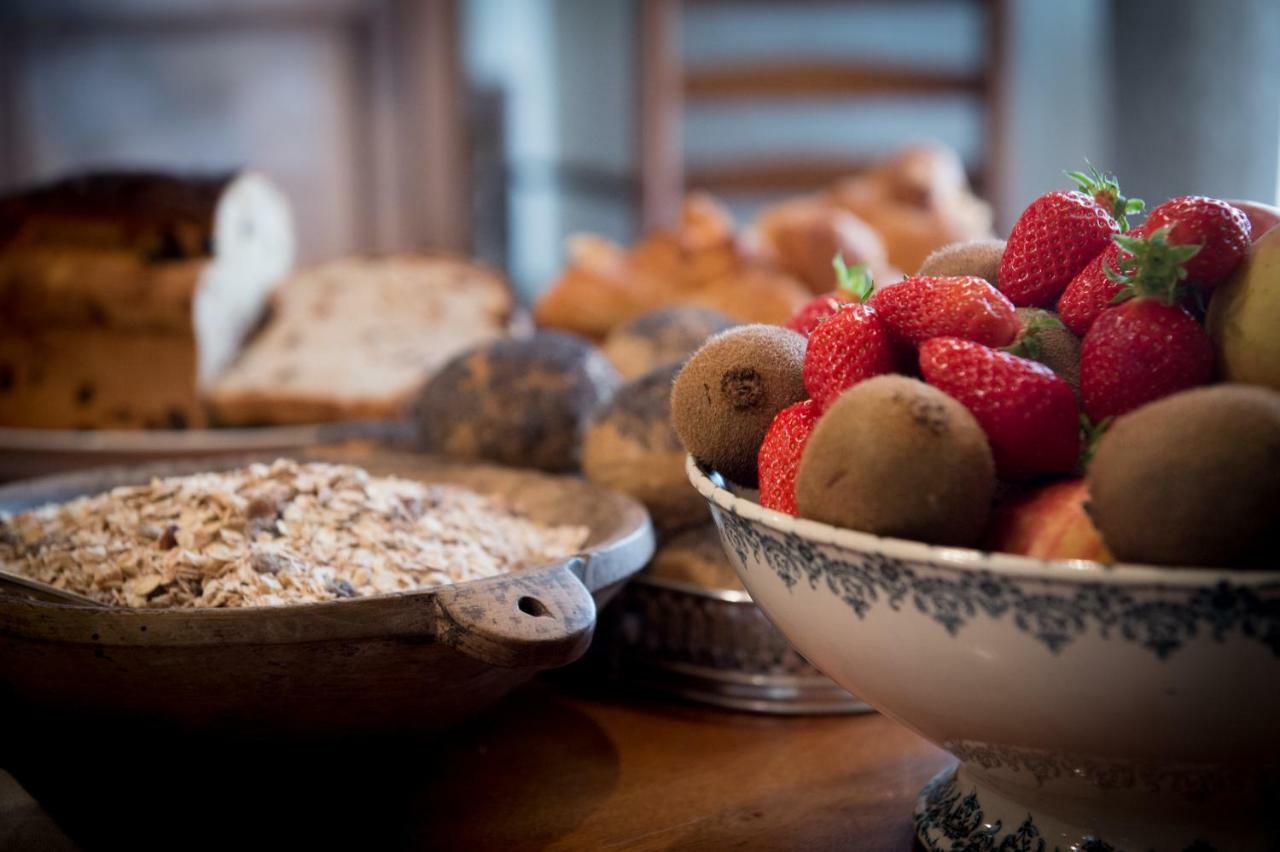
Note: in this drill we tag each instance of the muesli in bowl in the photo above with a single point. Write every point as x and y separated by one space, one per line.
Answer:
337 602
287 532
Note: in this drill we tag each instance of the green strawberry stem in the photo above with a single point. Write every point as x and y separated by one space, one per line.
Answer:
1152 268
1105 190
854 281
1091 433
1028 343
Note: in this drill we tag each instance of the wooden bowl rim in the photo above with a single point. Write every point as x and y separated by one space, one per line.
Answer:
614 551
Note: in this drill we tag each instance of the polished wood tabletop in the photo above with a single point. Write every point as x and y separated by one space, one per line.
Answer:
552 767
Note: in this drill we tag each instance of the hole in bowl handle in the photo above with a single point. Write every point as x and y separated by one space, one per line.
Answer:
540 617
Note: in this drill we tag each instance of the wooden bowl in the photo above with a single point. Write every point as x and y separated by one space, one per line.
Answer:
392 664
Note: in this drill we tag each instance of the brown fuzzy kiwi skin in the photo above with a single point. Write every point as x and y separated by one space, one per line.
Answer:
1058 348
977 257
896 457
727 394
1192 479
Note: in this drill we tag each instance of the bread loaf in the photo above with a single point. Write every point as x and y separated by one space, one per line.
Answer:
356 339
140 287
154 215
98 378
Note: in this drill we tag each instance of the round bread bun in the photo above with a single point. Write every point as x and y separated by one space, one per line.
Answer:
802 236
519 402
665 336
696 557
630 446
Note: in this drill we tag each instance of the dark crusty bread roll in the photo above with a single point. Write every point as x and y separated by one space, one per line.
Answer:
631 446
665 336
519 402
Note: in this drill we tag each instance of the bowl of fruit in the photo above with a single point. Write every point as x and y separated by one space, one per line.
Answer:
1025 502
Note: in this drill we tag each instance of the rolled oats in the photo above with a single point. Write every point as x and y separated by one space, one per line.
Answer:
274 534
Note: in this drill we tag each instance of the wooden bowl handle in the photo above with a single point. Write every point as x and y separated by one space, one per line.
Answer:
542 621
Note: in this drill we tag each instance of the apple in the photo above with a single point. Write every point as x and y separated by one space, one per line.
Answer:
1263 217
1049 522
1244 315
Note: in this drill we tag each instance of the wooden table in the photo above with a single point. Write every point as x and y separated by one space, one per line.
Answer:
550 768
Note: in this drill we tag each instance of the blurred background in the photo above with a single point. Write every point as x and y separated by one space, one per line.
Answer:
499 127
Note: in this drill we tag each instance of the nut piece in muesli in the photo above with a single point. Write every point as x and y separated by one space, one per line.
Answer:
282 533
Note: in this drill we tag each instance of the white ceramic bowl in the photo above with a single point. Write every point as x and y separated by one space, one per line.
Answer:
1091 707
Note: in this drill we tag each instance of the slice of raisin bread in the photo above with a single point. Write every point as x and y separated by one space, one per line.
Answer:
357 339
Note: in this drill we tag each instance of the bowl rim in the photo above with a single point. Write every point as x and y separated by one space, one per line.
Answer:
968 558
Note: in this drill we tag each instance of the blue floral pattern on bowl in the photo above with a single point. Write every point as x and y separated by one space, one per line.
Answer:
1053 613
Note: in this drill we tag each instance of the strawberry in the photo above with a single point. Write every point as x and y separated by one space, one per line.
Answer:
968 307
1146 346
1057 236
780 452
1091 292
1028 412
1139 351
815 311
1222 232
853 283
850 345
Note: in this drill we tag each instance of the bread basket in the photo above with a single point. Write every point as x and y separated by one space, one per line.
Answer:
713 646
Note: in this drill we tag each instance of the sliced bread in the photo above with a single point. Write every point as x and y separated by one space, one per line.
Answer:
357 339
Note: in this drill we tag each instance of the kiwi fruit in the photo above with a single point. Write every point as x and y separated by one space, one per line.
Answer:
631 447
726 395
1191 479
665 336
523 402
894 456
976 257
1045 339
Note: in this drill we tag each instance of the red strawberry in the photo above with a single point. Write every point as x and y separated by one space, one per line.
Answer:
1057 235
1027 411
807 318
1138 352
968 307
1222 232
1092 291
853 285
850 345
779 457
